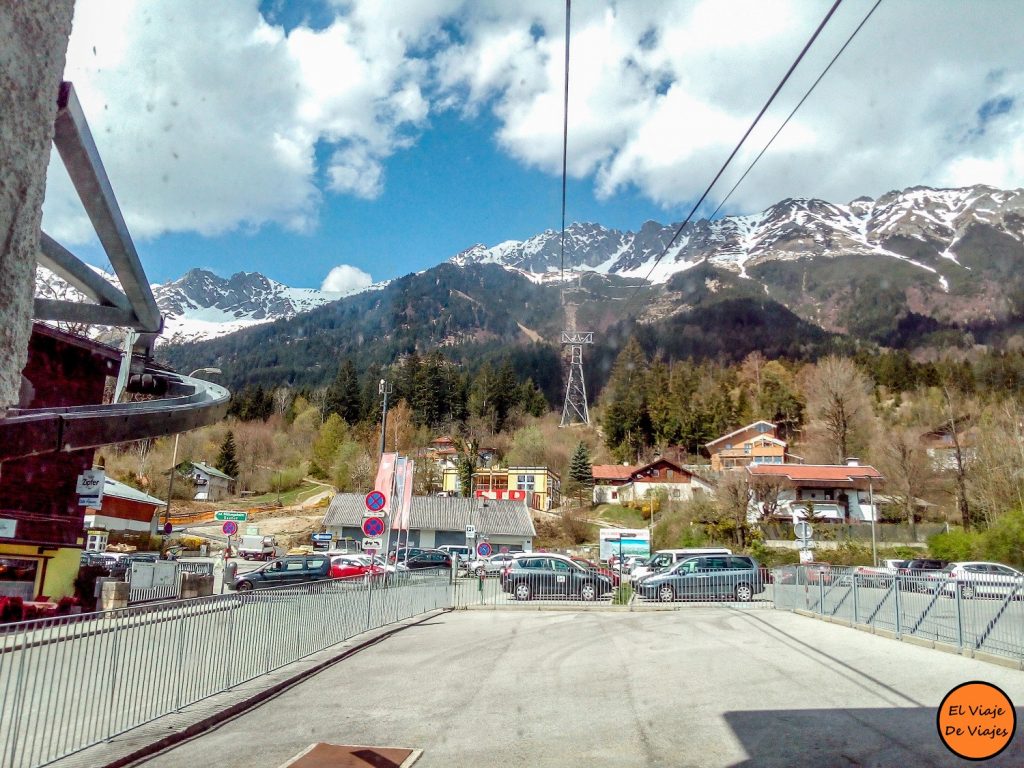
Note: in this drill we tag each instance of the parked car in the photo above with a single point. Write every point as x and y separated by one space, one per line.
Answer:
291 569
425 559
489 566
736 577
894 566
664 559
871 576
353 566
805 573
550 575
404 553
97 559
463 552
979 579
590 565
916 575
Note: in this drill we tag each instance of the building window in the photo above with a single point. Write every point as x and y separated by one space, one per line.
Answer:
746 447
728 446
525 482
18 577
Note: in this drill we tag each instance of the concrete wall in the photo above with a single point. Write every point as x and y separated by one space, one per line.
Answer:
35 40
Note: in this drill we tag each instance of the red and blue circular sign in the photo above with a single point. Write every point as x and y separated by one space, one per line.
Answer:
375 501
483 549
373 527
230 528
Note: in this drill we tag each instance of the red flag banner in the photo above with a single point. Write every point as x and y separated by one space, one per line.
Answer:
403 494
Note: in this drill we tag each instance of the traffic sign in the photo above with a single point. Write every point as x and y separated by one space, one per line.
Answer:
803 530
230 528
504 550
470 531
374 544
376 501
238 517
483 549
373 527
323 537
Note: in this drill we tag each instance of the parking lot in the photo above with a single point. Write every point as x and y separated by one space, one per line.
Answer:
701 686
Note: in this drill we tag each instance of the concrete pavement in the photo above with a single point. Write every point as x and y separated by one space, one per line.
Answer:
705 686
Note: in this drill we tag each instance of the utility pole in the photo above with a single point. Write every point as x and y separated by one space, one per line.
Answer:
574 410
384 389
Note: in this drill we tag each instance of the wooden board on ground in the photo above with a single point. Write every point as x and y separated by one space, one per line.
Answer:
347 756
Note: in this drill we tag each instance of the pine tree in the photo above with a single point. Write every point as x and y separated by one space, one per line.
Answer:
226 460
581 472
344 396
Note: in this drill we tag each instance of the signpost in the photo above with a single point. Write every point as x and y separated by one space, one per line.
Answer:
374 544
483 549
237 517
373 527
89 488
323 537
230 528
376 501
804 532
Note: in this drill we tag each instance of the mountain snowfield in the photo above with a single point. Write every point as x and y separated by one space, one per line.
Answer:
201 305
920 226
789 230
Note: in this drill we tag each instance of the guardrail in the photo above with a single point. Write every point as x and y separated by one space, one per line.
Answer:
71 682
976 614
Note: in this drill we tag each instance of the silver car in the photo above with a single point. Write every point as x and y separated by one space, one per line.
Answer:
489 566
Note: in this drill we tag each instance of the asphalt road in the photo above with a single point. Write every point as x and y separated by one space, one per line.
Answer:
702 686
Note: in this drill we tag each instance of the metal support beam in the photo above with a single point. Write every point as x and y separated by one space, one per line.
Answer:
77 149
574 410
73 270
90 314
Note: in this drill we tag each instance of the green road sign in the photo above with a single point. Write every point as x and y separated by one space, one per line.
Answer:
238 517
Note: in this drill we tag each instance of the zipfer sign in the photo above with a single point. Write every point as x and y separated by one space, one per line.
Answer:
976 720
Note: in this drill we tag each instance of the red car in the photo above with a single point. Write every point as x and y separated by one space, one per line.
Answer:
590 565
352 566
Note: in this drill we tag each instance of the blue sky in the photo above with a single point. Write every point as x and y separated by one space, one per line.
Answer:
384 137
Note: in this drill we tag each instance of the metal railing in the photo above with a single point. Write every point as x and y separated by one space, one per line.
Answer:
143 588
71 682
976 614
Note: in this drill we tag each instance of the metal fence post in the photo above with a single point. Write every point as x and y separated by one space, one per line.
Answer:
856 604
896 598
821 594
959 620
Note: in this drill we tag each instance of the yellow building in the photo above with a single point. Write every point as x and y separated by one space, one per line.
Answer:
538 487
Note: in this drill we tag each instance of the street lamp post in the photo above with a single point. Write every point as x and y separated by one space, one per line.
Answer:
174 457
384 388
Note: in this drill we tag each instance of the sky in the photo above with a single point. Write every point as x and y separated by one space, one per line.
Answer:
334 143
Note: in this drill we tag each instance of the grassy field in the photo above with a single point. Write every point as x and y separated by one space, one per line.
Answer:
288 498
624 516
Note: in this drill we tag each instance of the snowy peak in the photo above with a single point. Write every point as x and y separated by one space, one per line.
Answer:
202 305
794 228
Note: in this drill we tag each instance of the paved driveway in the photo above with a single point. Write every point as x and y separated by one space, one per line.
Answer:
705 686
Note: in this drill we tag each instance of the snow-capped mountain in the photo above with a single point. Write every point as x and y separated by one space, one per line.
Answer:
920 225
201 305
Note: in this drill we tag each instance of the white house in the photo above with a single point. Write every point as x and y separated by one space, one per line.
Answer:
839 492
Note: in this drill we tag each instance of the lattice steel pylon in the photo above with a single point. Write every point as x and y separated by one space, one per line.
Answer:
575 409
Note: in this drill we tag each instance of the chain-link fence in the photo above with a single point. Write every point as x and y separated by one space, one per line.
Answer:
70 682
977 614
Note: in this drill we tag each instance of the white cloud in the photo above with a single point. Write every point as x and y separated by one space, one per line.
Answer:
345 278
211 121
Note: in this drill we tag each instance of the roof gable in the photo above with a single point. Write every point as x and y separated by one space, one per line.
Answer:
752 428
210 470
817 473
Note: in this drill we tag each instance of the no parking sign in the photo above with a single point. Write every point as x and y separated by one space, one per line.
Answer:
483 549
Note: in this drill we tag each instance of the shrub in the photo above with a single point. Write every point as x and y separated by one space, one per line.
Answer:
286 479
11 609
1004 540
956 544
85 585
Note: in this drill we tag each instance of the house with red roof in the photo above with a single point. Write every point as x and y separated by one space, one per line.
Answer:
839 492
621 483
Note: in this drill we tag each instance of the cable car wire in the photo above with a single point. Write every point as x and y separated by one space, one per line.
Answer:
565 149
736 149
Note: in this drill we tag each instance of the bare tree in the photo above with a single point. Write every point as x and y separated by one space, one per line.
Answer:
733 502
318 399
839 401
908 471
766 491
282 399
960 460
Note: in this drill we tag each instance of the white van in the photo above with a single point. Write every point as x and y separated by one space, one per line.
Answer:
666 558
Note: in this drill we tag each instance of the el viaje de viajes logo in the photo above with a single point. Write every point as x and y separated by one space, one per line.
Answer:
976 720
